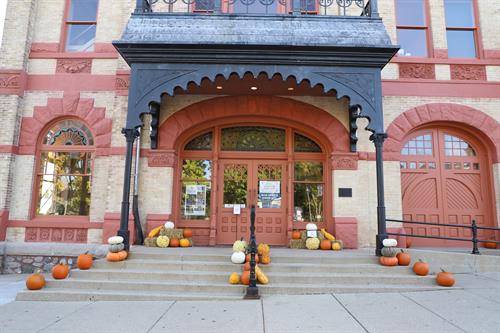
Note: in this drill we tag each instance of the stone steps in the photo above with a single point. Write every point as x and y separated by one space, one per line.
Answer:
202 273
222 277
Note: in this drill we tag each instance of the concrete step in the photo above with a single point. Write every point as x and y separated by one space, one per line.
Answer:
151 265
330 257
221 277
82 295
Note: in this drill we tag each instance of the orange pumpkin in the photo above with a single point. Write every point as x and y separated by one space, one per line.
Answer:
421 268
388 261
296 234
84 261
445 279
245 278
35 281
113 256
404 258
247 266
123 255
184 242
174 242
60 271
256 258
325 244
490 245
188 233
408 242
266 260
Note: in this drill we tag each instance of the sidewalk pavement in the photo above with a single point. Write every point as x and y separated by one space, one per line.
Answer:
475 308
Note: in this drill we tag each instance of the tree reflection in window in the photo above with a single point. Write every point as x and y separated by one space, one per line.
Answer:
202 142
308 192
64 175
305 145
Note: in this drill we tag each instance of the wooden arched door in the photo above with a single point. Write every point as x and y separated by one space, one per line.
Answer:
445 179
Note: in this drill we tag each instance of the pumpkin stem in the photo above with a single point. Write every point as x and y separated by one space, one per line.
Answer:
442 270
402 251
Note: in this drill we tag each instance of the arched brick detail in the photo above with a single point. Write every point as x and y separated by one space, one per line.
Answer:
442 112
71 105
270 107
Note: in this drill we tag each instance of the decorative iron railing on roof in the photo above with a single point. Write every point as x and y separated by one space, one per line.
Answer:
367 8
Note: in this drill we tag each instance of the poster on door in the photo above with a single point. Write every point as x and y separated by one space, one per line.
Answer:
269 194
196 200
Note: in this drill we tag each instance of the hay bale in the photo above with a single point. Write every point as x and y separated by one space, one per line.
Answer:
172 233
297 244
321 236
303 236
151 242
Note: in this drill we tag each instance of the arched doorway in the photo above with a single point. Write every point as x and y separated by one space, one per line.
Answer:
445 178
233 152
280 170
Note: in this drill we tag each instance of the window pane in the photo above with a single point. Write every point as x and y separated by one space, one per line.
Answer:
459 13
64 195
461 44
235 184
70 163
309 171
83 10
202 142
419 141
253 138
69 133
304 144
308 202
195 201
207 5
410 12
80 38
196 169
255 7
413 42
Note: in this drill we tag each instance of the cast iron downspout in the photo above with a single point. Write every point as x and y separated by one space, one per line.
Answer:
135 202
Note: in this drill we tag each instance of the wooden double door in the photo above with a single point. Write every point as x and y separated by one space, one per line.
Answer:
445 180
243 183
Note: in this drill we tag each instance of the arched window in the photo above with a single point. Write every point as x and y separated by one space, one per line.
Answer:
64 171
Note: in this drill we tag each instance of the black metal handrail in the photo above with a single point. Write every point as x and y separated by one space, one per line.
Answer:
473 227
366 8
252 289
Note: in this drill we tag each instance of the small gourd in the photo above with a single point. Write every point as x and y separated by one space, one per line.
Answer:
239 245
115 240
337 245
162 241
265 260
245 278
184 242
389 251
238 257
327 235
155 232
390 242
261 277
234 278
115 248
312 243
169 225
263 249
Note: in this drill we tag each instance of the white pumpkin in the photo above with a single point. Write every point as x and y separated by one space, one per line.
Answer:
115 240
238 257
169 225
311 226
389 242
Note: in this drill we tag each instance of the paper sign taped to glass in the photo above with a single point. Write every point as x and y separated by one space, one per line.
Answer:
269 187
196 200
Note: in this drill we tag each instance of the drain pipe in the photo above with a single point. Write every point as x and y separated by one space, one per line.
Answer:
135 201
